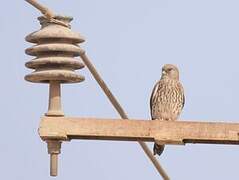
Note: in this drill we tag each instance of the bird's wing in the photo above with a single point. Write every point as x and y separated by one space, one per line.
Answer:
182 91
153 96
183 100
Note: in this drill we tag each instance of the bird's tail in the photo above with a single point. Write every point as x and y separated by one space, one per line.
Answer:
158 149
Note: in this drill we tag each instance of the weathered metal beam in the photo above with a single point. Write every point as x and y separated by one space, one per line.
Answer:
165 132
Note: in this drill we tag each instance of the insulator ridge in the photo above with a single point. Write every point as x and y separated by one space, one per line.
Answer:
56 50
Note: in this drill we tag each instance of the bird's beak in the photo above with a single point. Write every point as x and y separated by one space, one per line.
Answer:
163 72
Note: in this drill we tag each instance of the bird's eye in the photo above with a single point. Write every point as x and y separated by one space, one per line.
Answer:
170 69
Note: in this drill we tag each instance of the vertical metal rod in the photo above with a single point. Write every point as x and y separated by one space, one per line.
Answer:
120 110
54 109
54 106
53 164
54 148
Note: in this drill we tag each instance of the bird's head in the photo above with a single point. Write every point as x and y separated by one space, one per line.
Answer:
170 71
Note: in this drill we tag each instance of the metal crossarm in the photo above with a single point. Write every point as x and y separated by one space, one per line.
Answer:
166 132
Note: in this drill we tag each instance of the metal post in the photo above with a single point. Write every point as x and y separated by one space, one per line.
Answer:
54 108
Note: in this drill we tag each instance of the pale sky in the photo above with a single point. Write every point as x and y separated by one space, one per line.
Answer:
128 41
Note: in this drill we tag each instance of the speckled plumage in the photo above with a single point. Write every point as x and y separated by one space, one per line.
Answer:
167 99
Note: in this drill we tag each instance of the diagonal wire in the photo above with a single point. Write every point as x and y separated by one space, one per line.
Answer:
120 110
46 12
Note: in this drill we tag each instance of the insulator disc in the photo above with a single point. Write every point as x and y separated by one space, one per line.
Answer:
64 76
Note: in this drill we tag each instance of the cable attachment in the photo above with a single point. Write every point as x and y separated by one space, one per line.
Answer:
47 13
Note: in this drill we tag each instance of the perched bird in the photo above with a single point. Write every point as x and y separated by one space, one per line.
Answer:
167 99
